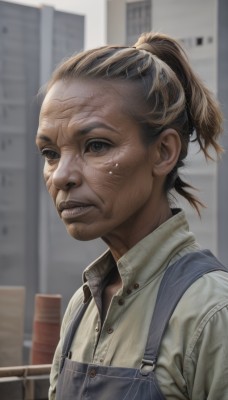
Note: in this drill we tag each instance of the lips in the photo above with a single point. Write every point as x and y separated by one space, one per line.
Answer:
66 205
72 211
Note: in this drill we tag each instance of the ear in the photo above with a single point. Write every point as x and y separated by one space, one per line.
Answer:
168 148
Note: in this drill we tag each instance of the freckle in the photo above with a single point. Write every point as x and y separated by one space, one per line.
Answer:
110 172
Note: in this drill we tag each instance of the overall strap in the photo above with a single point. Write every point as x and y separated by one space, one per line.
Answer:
71 332
176 280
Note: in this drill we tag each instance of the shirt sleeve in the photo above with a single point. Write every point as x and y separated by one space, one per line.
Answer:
206 363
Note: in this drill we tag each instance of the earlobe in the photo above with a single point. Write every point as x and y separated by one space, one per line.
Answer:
168 148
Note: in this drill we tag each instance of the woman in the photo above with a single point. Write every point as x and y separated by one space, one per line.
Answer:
114 130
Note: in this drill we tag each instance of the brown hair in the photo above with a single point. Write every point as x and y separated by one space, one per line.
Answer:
173 94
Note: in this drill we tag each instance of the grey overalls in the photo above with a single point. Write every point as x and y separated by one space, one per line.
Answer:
79 381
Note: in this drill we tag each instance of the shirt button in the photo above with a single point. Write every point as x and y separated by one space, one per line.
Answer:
128 291
136 286
109 330
92 373
121 302
97 329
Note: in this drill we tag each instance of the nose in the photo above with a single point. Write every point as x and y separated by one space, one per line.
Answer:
67 174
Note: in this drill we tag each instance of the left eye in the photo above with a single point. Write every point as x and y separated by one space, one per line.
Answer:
97 146
49 154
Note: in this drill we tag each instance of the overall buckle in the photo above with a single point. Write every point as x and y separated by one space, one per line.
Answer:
147 366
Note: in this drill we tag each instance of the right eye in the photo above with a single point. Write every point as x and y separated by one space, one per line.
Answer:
49 154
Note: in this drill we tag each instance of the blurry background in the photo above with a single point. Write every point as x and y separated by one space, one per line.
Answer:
35 250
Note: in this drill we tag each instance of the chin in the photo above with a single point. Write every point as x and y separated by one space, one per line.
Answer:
81 234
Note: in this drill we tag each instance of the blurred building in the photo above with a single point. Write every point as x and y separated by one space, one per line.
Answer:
32 41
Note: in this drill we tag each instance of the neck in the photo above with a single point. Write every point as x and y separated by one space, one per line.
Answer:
126 237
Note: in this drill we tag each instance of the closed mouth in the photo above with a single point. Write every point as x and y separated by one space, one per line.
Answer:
67 205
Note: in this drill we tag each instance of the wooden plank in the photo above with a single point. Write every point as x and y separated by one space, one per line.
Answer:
25 370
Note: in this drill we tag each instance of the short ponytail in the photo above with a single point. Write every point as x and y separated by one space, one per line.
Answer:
202 108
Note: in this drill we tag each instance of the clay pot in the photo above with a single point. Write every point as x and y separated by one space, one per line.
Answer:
46 328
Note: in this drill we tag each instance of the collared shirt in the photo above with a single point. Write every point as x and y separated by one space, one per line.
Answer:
194 350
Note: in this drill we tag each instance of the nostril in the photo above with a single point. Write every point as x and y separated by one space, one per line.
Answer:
70 185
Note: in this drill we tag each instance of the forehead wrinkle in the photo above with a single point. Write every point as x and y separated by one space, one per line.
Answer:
73 111
64 108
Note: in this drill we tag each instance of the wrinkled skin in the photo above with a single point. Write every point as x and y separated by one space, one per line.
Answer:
104 181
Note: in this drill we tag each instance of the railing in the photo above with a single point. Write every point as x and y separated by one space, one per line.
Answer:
27 382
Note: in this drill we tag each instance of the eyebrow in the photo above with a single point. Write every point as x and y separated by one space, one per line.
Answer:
82 131
94 125
43 138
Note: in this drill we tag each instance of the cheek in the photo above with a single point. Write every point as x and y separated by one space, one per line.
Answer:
112 178
118 166
125 166
128 177
47 174
105 176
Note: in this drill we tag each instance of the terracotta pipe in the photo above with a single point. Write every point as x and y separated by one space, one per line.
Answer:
46 328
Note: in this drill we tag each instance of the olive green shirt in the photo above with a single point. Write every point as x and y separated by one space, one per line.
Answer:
193 358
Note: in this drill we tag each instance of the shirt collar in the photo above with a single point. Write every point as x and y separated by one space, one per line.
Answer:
146 260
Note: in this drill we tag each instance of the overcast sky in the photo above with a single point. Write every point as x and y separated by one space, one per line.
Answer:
94 10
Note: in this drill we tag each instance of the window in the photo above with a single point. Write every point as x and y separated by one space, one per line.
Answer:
138 15
199 41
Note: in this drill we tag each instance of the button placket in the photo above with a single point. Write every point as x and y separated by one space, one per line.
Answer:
121 301
136 286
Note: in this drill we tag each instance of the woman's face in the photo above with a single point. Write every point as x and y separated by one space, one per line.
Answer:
97 169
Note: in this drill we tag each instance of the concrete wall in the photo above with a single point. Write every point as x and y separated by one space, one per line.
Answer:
116 22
